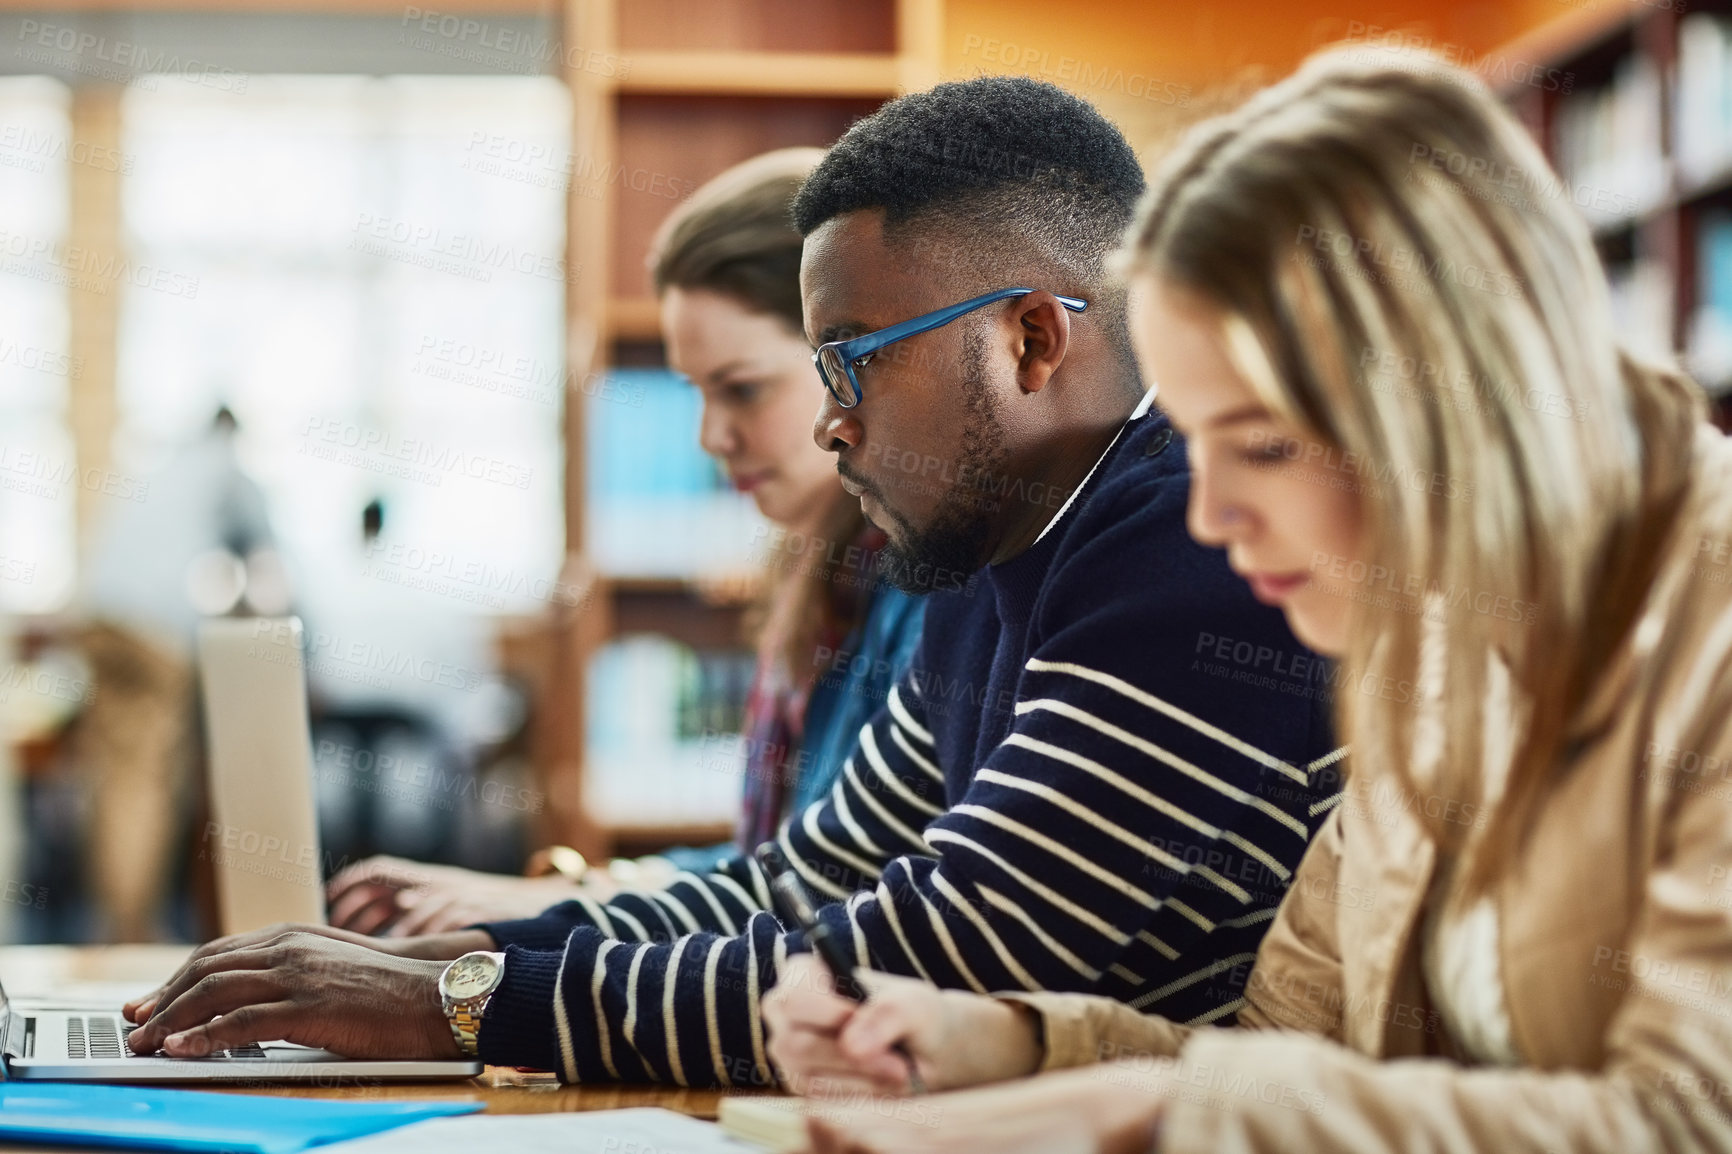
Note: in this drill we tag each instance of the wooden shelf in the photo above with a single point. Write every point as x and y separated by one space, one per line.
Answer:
632 839
1708 186
1682 194
704 87
684 139
758 26
631 583
676 608
1589 46
762 74
634 318
1567 39
1611 227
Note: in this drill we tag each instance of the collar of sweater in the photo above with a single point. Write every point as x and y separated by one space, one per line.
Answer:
1016 582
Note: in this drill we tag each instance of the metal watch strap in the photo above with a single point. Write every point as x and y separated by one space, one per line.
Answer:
465 1020
464 1015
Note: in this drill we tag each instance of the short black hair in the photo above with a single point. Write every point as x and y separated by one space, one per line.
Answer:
1018 171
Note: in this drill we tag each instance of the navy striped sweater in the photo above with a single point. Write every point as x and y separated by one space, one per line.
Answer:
1092 778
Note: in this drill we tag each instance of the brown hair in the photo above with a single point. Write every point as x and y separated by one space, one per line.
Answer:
736 236
1313 222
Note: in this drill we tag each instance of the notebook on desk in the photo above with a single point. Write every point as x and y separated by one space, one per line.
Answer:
187 1120
777 1125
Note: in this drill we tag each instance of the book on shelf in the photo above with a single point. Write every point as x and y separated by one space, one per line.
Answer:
1607 144
1709 348
658 505
1643 307
1702 141
663 744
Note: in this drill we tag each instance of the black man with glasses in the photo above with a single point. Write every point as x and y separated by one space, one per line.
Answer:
1103 766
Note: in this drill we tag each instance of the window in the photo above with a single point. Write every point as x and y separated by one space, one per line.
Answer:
38 473
370 273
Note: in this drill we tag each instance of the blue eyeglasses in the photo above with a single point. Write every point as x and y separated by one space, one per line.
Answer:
837 360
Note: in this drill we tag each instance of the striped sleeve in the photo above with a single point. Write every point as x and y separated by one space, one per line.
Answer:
1136 827
1115 843
1085 856
664 986
873 814
1130 834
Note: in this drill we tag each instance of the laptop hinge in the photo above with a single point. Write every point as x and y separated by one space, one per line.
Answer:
11 1036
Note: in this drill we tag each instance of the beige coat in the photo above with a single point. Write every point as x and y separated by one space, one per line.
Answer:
1616 939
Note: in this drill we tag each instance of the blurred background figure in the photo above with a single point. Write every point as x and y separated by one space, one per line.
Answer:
199 545
830 639
404 695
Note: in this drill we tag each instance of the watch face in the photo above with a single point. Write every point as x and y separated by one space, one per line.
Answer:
471 976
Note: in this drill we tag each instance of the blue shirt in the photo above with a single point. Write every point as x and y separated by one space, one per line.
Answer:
875 654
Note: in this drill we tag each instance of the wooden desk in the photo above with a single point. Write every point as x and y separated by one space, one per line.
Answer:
121 971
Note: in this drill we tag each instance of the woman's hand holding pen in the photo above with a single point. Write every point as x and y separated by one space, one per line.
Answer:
1070 1112
826 1045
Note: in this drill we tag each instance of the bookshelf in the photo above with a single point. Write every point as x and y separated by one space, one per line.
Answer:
701 87
1640 130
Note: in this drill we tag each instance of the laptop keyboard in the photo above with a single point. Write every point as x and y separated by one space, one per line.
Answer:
105 1037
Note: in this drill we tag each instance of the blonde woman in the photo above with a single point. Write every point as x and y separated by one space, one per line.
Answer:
1386 336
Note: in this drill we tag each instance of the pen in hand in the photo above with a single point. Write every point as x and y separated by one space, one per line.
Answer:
795 905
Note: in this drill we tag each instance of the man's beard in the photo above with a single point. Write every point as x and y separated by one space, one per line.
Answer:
954 543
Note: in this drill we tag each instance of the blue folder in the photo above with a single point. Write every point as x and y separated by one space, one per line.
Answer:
141 1118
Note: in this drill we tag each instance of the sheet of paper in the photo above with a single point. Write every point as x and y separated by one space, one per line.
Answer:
640 1131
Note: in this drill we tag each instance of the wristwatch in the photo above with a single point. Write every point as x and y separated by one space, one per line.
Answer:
465 988
557 859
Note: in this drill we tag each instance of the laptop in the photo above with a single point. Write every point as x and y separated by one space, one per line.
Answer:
264 844
62 1045
263 836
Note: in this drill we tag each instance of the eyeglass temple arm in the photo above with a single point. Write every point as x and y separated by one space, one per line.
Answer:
872 342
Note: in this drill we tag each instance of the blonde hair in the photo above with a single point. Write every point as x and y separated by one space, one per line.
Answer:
1397 270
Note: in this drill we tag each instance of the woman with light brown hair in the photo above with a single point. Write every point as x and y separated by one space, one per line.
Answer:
1386 336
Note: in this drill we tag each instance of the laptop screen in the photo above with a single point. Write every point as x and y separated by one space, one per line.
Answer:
5 1029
